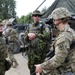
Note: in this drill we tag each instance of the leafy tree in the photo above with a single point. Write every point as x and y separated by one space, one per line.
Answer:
25 19
7 9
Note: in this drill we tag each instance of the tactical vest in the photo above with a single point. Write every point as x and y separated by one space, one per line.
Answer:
36 28
12 35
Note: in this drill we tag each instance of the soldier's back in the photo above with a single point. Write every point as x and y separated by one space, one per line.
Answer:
3 55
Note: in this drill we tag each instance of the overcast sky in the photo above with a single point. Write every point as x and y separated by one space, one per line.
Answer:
23 7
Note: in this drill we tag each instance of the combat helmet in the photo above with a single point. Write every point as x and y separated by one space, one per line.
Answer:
36 12
8 23
60 13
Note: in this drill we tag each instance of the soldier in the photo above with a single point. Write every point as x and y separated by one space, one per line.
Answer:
3 52
63 61
11 34
38 36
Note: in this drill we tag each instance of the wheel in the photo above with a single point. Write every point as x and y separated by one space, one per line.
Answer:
21 38
17 47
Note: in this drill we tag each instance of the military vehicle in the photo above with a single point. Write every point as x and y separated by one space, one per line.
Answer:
69 4
20 29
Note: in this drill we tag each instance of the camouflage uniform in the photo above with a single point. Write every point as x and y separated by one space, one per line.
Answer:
3 53
11 35
63 62
39 46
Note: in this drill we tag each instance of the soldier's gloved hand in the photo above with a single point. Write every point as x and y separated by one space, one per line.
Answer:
38 68
31 36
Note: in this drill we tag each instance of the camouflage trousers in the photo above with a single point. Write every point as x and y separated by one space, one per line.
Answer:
36 53
11 53
2 67
33 59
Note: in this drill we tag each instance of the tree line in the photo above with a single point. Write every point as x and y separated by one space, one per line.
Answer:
7 9
28 18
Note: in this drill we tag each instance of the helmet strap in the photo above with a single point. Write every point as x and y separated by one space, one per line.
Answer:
64 20
58 23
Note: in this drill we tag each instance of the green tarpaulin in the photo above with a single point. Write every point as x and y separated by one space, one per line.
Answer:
69 4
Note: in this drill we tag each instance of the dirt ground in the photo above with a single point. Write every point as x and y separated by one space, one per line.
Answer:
22 68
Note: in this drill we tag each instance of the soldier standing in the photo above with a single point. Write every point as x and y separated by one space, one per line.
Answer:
3 52
38 36
11 34
63 61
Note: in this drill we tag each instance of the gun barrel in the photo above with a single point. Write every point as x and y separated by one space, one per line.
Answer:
50 53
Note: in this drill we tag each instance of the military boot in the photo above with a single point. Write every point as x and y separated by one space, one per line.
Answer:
15 63
33 74
11 63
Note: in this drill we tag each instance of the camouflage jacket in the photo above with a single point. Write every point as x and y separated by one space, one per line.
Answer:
41 30
64 58
11 34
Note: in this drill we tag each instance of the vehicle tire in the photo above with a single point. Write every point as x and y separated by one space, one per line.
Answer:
21 38
17 47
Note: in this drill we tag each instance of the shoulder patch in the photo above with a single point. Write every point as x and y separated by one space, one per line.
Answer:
47 29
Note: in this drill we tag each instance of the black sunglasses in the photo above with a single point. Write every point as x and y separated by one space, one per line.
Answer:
37 15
